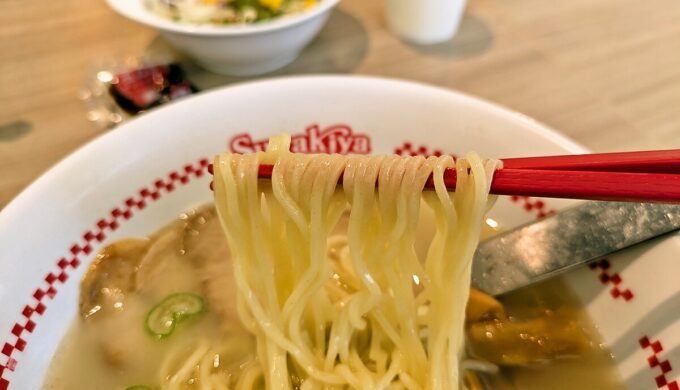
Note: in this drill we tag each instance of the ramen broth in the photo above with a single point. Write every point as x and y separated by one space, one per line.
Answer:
108 346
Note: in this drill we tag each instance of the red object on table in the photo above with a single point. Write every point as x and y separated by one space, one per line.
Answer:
144 88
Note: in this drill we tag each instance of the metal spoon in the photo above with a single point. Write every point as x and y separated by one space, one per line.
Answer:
576 236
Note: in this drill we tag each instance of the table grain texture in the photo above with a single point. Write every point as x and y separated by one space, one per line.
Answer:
604 72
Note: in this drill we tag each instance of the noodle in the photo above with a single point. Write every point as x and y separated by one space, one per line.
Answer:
329 311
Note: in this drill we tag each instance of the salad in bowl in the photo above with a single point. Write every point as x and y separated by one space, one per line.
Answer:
227 11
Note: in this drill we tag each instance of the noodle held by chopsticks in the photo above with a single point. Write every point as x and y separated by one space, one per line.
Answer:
373 329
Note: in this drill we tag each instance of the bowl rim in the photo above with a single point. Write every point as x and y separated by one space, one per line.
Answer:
82 153
136 11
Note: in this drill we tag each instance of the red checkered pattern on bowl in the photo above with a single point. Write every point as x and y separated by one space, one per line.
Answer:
655 361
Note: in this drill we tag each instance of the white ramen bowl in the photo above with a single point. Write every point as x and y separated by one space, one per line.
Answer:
134 180
238 50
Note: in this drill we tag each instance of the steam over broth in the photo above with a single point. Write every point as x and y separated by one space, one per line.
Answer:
111 346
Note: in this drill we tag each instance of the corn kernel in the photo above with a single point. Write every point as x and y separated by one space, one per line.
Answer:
273 5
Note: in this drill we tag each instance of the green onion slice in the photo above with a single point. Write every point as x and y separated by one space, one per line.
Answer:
162 319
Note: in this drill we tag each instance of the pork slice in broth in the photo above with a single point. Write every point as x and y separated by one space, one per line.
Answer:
110 277
130 276
206 247
166 268
107 292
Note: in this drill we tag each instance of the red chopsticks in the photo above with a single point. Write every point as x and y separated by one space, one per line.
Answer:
646 176
654 161
592 185
649 176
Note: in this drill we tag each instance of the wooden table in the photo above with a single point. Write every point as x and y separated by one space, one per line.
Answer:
605 72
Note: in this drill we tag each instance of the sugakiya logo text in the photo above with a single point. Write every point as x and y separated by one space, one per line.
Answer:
333 139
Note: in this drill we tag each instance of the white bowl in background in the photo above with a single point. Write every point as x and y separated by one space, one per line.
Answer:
135 179
237 50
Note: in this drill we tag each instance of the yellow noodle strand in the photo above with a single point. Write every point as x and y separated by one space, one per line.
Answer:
337 312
